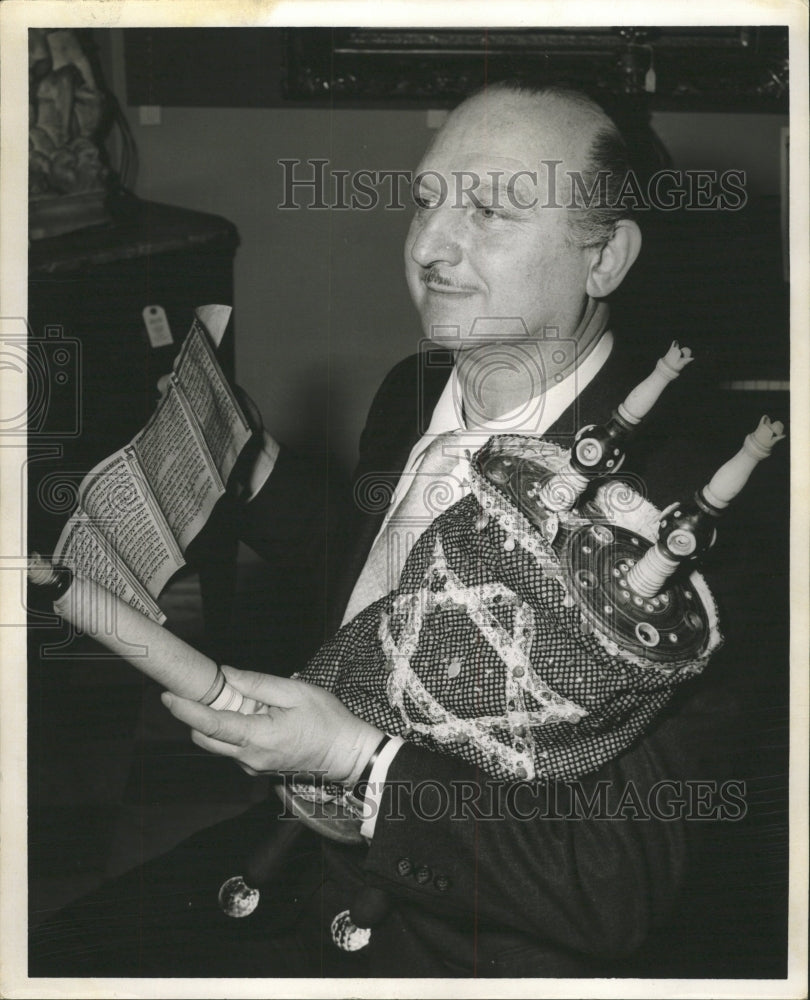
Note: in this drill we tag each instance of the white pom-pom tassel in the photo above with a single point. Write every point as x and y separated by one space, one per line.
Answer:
347 935
236 898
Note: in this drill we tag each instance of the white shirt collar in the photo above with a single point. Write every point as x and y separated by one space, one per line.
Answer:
534 417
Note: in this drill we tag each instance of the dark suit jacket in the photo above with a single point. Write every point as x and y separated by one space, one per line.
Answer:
545 897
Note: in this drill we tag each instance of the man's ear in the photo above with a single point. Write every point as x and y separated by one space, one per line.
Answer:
614 260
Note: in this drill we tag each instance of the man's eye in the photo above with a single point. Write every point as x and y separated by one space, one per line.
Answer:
488 213
424 200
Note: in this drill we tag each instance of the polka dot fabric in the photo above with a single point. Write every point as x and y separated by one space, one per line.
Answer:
480 653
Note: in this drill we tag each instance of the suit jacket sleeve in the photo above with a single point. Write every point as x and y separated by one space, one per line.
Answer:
535 860
293 511
297 522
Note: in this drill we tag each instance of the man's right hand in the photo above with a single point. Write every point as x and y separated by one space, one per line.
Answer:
306 728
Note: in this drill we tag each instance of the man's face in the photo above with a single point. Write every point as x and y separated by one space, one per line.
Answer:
475 253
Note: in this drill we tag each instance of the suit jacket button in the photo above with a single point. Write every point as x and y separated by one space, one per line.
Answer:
404 867
442 883
423 875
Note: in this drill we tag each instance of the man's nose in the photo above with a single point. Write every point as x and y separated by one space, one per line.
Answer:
437 239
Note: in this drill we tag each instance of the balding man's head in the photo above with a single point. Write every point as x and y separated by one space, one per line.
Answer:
576 131
494 240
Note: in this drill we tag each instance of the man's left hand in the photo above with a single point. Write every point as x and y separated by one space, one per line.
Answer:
304 728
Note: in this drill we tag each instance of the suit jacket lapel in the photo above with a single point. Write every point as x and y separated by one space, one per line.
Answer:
597 400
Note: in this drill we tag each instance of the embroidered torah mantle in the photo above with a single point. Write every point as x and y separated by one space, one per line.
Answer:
483 651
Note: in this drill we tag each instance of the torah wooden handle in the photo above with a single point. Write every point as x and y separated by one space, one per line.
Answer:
686 531
170 661
730 478
641 400
157 653
599 449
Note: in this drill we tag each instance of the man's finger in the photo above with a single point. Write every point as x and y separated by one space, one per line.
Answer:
227 727
266 688
214 746
163 385
235 753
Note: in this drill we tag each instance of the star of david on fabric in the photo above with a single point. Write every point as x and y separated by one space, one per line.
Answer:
528 701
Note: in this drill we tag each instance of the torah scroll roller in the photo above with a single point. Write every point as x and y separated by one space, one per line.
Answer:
687 530
599 449
164 657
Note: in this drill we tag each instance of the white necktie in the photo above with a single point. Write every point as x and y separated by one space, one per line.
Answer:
436 484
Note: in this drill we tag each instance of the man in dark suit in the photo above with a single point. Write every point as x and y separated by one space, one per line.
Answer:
508 280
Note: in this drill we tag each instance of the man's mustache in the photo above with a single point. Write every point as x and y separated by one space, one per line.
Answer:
434 276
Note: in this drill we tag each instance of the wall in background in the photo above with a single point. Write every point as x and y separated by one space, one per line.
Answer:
733 141
322 310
